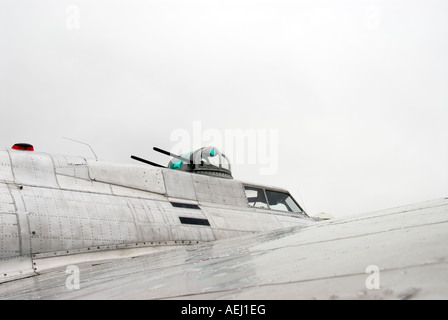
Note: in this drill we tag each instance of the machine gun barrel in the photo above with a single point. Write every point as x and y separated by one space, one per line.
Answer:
172 155
147 162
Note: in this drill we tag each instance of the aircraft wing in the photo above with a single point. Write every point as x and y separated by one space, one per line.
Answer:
400 253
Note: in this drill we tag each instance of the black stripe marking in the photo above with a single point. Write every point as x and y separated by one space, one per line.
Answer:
196 221
185 205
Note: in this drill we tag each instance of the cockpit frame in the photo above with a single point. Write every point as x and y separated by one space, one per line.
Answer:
268 204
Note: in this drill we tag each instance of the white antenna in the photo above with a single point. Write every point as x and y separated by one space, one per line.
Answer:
96 158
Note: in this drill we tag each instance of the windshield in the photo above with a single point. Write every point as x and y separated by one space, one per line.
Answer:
255 197
282 201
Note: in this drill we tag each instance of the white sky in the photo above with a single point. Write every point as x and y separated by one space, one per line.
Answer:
357 90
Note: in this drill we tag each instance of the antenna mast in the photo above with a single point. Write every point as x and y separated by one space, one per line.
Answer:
96 158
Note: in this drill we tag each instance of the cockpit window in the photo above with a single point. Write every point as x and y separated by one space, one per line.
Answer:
255 197
260 197
282 201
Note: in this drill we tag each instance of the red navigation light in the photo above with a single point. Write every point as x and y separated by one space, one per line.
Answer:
23 146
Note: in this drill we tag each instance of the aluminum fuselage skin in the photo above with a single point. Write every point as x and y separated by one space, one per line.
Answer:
58 206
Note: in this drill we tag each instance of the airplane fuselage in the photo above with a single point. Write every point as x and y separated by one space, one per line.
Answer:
59 206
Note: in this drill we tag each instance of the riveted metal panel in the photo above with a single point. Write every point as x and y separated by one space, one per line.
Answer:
134 193
147 212
6 201
131 176
220 191
155 233
66 220
15 268
13 204
193 233
33 168
183 231
77 184
160 221
179 184
72 166
5 167
72 173
172 213
9 236
247 220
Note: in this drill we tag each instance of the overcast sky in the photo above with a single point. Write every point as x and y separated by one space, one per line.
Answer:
350 98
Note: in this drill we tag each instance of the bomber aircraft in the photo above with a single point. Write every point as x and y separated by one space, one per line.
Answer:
77 228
